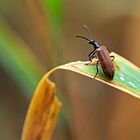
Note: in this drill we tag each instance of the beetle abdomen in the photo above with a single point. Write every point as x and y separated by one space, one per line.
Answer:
105 62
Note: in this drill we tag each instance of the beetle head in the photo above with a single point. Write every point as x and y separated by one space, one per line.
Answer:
94 43
91 42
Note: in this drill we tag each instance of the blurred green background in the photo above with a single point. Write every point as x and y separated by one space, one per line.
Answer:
36 36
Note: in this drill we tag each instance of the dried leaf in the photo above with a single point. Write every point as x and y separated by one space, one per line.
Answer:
44 107
42 113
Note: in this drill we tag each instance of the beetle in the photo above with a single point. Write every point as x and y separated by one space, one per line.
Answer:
105 60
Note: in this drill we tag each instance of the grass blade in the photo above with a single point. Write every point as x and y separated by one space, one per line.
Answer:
18 60
38 124
127 75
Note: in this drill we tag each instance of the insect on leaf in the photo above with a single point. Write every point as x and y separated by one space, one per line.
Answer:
126 78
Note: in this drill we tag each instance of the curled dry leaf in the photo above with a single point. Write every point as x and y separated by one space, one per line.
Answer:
42 113
44 107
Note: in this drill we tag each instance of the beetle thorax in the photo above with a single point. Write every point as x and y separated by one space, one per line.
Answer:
94 43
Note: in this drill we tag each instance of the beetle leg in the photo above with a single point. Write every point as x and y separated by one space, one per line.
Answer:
96 68
92 55
113 57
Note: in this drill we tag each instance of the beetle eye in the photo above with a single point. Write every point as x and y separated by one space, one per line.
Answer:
91 42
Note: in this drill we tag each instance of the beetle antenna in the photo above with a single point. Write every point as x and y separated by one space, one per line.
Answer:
83 37
89 31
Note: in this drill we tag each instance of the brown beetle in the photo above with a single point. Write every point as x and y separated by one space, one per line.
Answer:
103 56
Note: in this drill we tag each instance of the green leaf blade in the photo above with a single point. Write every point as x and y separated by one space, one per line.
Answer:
126 78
